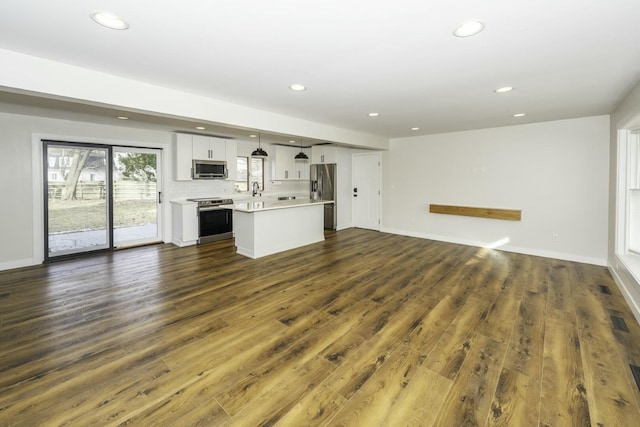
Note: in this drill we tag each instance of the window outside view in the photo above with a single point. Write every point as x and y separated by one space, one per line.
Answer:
245 179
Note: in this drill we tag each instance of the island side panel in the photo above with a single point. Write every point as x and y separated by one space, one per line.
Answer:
243 224
276 230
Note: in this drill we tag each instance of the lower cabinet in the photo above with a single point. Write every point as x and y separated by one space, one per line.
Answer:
184 223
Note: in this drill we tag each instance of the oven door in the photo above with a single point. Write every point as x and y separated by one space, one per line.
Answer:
215 224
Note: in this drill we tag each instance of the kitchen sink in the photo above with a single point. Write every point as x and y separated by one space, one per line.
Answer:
287 198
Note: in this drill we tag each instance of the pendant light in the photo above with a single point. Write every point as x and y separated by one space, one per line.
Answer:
301 155
259 152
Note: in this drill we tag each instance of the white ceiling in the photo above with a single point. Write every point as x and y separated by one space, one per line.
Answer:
568 58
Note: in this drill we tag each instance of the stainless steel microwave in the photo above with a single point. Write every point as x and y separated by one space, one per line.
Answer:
209 169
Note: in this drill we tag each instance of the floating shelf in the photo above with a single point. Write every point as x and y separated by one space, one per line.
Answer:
494 213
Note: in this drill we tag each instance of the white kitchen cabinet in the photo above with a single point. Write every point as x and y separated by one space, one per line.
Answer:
285 167
184 223
209 148
183 157
283 164
232 159
302 167
324 154
188 147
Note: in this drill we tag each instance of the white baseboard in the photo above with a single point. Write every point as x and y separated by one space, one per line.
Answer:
508 248
628 285
17 264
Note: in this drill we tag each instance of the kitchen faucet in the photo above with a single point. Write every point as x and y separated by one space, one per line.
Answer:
254 188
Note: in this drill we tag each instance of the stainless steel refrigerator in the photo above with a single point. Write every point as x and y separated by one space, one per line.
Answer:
323 187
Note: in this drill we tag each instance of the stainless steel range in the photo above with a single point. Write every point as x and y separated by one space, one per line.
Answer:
215 219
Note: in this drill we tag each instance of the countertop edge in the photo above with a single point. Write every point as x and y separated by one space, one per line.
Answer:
279 205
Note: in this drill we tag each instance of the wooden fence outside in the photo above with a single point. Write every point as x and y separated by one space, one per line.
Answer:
95 190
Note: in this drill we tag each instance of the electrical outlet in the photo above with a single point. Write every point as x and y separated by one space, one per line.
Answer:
555 238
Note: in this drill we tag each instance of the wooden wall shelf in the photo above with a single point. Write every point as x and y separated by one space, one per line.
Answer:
494 213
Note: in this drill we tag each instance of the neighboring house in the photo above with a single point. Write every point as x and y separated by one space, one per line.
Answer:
59 165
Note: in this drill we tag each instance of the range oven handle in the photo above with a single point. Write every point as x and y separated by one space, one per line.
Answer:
212 208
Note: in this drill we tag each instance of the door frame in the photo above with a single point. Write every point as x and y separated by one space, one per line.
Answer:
37 188
108 179
159 194
378 156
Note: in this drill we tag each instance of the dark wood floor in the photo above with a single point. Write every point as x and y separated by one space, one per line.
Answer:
363 329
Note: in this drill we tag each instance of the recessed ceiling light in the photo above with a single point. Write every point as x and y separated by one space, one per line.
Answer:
469 29
292 141
109 20
519 115
504 89
253 136
415 128
122 117
297 87
373 114
200 127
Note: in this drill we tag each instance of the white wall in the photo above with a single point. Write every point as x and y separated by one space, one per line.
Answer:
21 218
628 110
555 172
344 181
24 73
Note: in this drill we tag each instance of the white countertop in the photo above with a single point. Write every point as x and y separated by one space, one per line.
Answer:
264 205
183 202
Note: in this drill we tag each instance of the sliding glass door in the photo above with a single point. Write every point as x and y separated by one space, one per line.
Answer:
77 195
136 196
99 197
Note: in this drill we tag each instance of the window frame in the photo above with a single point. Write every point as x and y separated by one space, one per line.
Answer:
628 178
250 175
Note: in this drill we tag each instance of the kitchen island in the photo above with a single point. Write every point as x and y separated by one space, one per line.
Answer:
265 227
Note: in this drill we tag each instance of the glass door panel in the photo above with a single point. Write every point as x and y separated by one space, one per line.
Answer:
77 192
136 196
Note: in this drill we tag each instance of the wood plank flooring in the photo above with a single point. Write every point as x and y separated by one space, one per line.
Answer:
363 329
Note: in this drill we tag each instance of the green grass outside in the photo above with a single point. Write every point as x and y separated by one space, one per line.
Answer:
82 215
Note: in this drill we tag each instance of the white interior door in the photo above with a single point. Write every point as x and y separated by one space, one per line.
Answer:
366 191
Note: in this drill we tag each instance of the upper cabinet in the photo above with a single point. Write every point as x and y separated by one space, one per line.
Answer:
232 159
182 157
209 148
188 147
324 154
283 163
285 167
302 167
